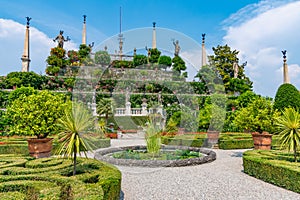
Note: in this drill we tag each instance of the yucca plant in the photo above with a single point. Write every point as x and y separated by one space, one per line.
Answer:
288 126
75 122
153 137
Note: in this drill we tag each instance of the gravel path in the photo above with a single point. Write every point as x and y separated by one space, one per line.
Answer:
221 179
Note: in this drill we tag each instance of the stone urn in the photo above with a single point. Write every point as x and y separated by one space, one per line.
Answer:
213 136
262 140
40 148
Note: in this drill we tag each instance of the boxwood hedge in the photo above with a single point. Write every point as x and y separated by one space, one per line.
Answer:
276 167
24 177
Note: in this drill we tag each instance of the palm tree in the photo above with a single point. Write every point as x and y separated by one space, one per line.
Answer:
74 123
105 107
288 125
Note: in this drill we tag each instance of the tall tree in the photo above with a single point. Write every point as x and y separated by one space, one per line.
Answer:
102 58
139 60
178 64
234 78
154 55
105 107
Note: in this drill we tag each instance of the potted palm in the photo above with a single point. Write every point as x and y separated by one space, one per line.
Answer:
258 117
36 115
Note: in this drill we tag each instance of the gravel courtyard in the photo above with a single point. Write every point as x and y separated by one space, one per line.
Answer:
221 179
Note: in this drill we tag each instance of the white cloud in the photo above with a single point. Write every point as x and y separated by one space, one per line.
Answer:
261 39
12 43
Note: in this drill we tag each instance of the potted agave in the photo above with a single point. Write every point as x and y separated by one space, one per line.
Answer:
258 117
36 115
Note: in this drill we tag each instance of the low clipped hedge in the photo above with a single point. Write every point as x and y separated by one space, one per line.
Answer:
226 140
193 140
20 145
276 167
241 141
23 177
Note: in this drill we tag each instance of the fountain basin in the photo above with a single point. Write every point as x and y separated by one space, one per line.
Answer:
106 155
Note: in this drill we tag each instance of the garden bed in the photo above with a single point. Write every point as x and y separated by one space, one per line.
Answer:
51 178
276 167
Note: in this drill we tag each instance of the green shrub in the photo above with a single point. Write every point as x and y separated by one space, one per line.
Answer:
51 178
287 95
36 114
274 167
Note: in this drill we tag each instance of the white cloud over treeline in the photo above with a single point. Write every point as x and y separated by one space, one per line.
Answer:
267 29
12 35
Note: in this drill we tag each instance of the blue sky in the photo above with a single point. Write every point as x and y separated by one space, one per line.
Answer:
258 29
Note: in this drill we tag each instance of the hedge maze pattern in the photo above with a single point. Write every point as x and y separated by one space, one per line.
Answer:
51 178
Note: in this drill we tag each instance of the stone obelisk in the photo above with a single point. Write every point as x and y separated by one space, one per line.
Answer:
25 57
84 30
154 36
120 37
286 78
203 50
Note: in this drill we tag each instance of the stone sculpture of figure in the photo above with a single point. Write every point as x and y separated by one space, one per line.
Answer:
127 95
235 70
28 19
284 53
148 50
61 39
177 48
91 45
203 37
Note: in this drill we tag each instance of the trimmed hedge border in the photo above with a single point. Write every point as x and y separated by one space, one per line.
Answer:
51 178
20 146
274 167
226 140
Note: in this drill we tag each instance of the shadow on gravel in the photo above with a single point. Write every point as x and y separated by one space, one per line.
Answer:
237 154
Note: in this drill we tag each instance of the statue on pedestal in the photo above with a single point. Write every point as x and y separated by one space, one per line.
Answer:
28 19
177 47
61 39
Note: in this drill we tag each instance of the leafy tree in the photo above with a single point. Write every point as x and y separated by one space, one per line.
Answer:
287 95
288 125
105 106
73 124
178 64
73 57
246 98
154 55
139 60
102 58
84 52
26 79
223 59
56 59
165 61
258 116
36 114
22 91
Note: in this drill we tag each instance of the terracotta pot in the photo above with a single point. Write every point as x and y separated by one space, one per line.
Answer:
213 136
40 148
262 141
112 135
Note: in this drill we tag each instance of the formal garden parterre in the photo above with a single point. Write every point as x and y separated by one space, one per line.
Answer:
28 111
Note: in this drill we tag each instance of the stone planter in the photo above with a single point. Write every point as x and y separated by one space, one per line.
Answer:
40 148
213 137
262 141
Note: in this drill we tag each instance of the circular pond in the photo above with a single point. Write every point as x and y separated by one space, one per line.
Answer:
106 155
